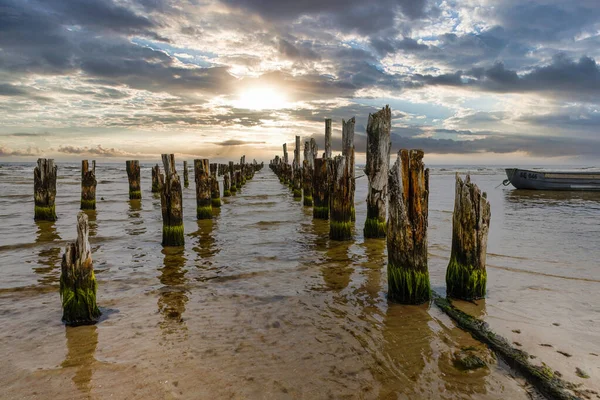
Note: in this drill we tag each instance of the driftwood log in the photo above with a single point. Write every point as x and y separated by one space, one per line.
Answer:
466 275
77 280
44 190
88 185
321 189
376 169
233 186
348 152
203 189
215 191
408 275
340 209
156 188
186 178
133 173
171 204
327 138
226 192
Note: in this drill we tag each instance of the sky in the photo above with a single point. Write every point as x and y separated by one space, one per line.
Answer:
468 81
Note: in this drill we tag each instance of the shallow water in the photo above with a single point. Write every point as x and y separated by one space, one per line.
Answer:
260 304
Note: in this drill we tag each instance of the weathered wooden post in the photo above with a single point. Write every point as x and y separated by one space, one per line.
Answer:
321 189
186 178
88 185
133 173
77 281
226 192
340 218
203 189
348 151
297 172
44 190
233 187
378 159
408 275
238 179
285 179
307 175
171 203
215 192
466 275
327 138
156 185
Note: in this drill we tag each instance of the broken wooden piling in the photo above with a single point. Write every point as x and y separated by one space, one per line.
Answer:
77 280
203 189
327 138
310 152
186 178
376 169
226 192
156 185
171 204
321 189
88 185
233 186
340 209
133 174
466 275
215 192
297 172
44 190
408 275
348 151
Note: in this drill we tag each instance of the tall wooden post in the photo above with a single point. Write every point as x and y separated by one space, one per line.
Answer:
186 178
233 187
133 173
340 218
156 185
215 192
466 276
203 189
44 190
226 192
327 138
77 280
408 275
88 185
348 151
378 159
297 171
238 179
321 189
171 204
307 175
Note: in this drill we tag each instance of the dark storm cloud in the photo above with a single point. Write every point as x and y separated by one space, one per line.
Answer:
233 142
296 52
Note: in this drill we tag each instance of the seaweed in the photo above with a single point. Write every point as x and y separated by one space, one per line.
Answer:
204 212
374 228
45 213
173 235
88 204
465 282
408 286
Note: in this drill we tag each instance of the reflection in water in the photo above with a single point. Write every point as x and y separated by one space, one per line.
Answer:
173 295
49 256
92 214
475 308
205 245
372 269
337 269
136 223
81 346
549 198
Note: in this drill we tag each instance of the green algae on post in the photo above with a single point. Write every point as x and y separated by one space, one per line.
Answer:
466 274
77 280
133 174
408 274
88 185
203 189
340 219
171 204
44 190
376 168
321 189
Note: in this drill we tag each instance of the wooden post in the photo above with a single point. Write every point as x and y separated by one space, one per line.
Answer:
203 189
297 171
238 179
348 151
171 203
466 275
378 159
408 276
321 189
307 175
88 185
226 192
156 186
327 138
44 190
133 173
186 178
77 281
340 219
233 187
215 192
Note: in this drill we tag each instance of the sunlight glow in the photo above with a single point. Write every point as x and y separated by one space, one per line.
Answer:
261 98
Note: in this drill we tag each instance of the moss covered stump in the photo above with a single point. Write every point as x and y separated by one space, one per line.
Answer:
466 275
340 218
88 185
77 281
203 189
133 174
408 275
171 204
44 190
215 191
226 192
321 189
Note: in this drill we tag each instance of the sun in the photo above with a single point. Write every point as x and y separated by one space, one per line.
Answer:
261 98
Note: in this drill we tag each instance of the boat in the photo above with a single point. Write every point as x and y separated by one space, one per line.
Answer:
552 180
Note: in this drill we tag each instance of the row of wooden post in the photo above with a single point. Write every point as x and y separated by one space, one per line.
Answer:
397 208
